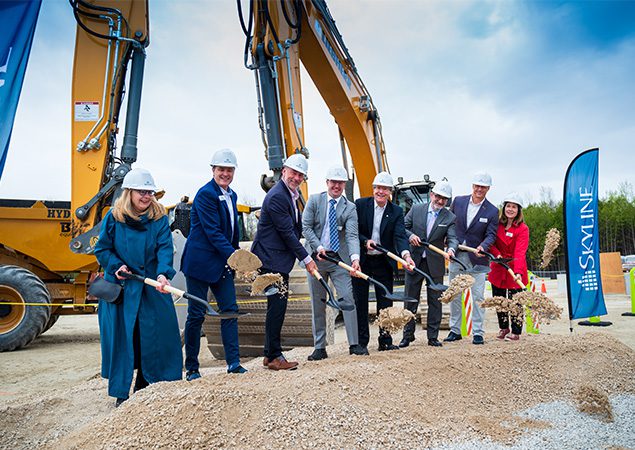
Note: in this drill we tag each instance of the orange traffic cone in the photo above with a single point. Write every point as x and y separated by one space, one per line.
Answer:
543 288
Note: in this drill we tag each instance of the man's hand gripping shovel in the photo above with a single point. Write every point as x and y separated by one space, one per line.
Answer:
335 259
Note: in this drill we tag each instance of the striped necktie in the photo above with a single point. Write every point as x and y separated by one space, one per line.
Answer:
334 238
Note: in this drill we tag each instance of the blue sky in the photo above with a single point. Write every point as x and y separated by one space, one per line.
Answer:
517 88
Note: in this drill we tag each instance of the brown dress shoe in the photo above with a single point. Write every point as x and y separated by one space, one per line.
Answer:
280 363
265 361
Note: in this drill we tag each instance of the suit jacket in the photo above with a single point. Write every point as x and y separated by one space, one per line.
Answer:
482 230
211 240
277 241
314 221
443 233
392 234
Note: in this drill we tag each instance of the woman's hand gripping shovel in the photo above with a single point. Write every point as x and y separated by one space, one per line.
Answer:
172 290
502 261
334 258
332 302
434 286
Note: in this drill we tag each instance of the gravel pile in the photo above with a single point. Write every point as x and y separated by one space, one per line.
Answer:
499 394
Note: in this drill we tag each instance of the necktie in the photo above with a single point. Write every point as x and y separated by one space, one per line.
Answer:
334 238
432 217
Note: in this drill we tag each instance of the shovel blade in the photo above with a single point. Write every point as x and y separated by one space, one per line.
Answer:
271 290
228 315
438 287
397 298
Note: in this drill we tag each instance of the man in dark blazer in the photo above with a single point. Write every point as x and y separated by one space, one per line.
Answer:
380 222
277 244
213 238
433 223
476 224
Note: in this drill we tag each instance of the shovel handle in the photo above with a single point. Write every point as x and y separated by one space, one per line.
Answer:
465 248
170 289
317 275
350 269
518 282
391 255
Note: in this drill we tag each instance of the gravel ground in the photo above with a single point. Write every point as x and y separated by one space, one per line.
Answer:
568 429
418 397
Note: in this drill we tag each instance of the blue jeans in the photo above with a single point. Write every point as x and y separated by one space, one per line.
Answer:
225 295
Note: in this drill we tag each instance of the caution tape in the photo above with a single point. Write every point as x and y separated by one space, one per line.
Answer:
240 302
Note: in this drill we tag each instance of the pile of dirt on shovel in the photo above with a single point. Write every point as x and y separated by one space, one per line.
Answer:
414 397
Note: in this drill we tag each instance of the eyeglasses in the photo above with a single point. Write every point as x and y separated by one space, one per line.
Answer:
144 193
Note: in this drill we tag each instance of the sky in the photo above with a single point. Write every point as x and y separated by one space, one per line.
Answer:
514 88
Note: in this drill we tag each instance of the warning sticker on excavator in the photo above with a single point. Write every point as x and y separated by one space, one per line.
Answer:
86 111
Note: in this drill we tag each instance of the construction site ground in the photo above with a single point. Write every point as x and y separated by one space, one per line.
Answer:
51 394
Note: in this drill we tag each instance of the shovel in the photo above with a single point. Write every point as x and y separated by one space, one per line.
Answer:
172 290
434 286
502 261
332 302
436 249
334 258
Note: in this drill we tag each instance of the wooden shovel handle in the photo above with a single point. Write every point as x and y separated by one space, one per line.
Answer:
316 274
465 248
518 282
350 269
436 249
170 289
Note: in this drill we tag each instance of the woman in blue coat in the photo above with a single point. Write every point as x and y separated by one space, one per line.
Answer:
141 332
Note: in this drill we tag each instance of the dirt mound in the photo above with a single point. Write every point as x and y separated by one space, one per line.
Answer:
415 397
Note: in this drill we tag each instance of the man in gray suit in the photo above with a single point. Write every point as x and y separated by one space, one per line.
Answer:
329 222
433 223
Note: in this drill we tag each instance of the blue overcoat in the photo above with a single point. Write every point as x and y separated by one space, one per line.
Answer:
149 253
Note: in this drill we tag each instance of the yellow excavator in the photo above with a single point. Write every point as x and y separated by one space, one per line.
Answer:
46 247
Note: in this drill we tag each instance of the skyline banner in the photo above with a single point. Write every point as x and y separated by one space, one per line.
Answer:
582 246
17 22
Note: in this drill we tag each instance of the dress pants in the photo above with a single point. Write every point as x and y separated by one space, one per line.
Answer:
276 309
225 295
343 288
379 268
478 295
413 289
503 317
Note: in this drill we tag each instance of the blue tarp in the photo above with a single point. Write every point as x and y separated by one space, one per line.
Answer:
17 25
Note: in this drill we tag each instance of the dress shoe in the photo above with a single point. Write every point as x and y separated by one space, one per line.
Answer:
405 342
452 337
434 343
265 361
357 350
502 333
119 402
318 354
512 337
385 347
237 369
478 340
280 363
192 375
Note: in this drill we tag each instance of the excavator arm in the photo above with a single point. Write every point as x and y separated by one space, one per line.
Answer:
280 34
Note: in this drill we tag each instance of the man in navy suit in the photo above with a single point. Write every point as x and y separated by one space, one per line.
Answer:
277 244
213 238
476 224
380 222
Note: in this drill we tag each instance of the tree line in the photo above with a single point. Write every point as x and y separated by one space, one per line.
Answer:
616 217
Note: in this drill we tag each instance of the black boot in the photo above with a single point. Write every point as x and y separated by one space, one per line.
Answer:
140 382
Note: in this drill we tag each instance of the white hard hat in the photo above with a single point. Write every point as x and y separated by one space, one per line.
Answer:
139 179
298 163
443 189
482 179
337 173
513 197
383 179
224 158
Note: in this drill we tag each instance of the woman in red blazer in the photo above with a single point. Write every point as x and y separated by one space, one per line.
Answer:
512 240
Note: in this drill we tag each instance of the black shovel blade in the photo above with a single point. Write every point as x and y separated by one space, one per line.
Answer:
228 315
388 295
271 290
438 287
